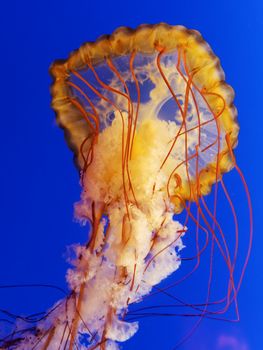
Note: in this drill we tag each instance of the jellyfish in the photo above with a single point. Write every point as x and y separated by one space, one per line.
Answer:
152 126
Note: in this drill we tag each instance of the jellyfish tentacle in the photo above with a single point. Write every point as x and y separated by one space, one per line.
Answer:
130 123
249 202
131 63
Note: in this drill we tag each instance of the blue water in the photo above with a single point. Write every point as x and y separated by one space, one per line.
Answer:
39 183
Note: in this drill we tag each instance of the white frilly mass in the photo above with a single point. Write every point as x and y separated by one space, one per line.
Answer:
130 256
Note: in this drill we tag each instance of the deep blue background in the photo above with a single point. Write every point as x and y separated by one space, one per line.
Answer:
39 183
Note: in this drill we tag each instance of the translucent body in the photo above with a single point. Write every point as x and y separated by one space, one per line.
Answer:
152 126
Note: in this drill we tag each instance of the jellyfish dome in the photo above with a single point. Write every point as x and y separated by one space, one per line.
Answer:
152 126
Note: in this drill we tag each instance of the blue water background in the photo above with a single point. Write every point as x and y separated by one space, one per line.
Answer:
39 183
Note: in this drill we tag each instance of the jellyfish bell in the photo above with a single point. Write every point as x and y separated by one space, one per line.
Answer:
152 126
158 88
